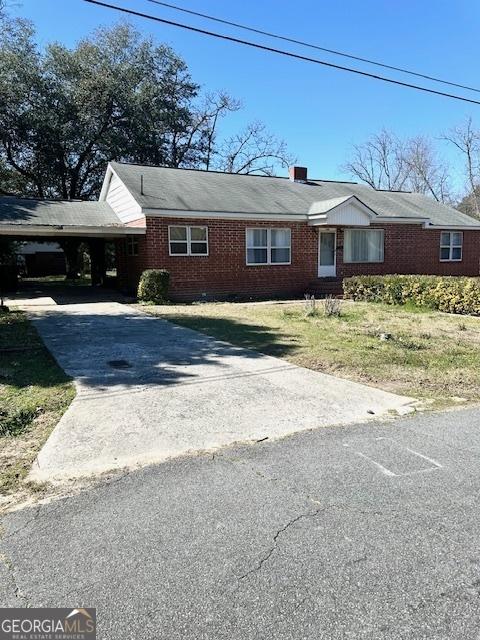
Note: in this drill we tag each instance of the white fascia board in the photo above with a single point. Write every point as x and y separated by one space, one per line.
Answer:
392 220
451 227
226 215
106 183
319 220
61 231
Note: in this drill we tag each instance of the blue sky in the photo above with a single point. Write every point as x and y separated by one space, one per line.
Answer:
318 111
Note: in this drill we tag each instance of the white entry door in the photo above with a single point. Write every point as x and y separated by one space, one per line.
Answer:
327 249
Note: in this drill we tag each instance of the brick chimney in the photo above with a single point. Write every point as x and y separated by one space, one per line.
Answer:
298 174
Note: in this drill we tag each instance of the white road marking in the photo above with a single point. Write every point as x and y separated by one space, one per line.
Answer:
431 460
383 469
435 465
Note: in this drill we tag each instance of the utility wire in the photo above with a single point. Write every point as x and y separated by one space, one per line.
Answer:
313 46
282 52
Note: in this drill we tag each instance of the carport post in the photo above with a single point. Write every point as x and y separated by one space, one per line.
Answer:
97 260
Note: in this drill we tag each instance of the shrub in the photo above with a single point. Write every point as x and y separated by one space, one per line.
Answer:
451 294
310 305
332 307
153 286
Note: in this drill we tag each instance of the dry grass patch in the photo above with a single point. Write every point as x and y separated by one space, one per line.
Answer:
421 353
34 393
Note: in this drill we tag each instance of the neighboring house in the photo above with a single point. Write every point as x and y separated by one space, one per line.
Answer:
224 235
41 259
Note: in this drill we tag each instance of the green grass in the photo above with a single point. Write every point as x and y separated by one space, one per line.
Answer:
430 355
34 393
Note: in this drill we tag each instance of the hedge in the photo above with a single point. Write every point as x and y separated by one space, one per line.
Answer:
153 286
451 294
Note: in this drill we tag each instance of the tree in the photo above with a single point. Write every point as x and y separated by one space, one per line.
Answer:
386 162
466 138
427 173
380 162
254 150
66 112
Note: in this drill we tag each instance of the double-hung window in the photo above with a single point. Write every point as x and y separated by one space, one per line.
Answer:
188 241
451 246
268 246
132 246
363 245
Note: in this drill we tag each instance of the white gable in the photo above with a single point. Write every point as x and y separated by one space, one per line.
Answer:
116 194
348 211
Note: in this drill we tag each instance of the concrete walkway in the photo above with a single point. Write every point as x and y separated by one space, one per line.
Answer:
148 390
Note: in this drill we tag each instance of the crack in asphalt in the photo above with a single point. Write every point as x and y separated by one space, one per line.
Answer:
270 552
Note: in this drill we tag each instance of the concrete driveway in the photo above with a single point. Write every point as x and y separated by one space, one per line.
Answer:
148 390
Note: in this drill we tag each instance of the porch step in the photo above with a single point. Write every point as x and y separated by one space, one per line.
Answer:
323 287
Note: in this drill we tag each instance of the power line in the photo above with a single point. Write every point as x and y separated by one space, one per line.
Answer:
313 46
282 52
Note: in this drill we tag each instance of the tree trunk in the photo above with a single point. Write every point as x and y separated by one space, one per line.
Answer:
70 248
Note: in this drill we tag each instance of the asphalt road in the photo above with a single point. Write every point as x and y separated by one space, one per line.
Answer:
368 531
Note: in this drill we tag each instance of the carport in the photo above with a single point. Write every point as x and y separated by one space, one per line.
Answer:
67 222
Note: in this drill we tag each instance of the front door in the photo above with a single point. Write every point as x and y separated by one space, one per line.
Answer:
327 243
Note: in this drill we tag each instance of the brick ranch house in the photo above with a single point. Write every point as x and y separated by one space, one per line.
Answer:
224 235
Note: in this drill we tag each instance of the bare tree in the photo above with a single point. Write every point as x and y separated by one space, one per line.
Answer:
193 143
217 105
467 140
254 150
380 162
427 173
386 162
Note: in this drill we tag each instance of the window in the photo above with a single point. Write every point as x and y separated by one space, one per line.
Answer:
188 241
363 245
268 246
451 246
132 246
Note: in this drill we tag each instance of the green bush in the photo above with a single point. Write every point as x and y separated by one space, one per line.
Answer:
153 286
451 294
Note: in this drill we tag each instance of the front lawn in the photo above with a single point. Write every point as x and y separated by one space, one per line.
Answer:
425 354
34 393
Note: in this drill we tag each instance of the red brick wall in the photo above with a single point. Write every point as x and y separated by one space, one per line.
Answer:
224 271
408 249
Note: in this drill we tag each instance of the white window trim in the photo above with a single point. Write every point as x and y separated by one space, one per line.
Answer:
268 247
188 241
382 231
451 246
132 242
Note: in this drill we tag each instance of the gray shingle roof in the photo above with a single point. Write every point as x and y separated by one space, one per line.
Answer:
23 211
192 190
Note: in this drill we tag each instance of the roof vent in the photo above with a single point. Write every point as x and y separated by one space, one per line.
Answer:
298 174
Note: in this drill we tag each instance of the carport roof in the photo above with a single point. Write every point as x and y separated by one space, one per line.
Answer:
59 217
